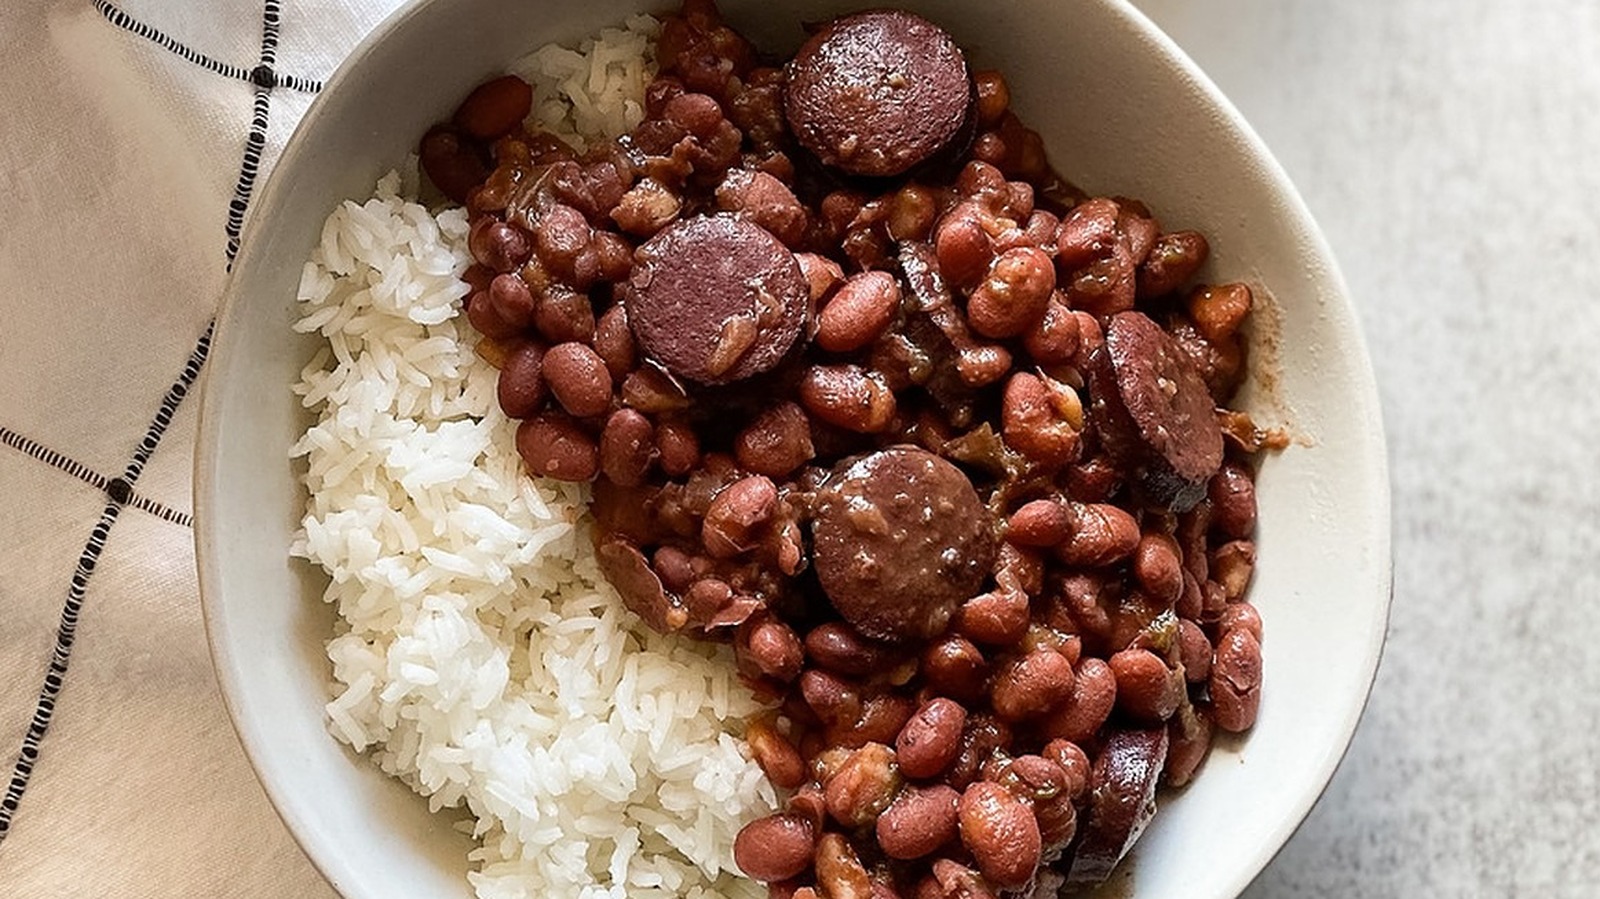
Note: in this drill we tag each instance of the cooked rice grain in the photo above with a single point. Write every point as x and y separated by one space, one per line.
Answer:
479 654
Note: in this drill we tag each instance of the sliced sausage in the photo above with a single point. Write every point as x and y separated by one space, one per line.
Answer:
877 93
901 540
1153 411
716 299
1122 800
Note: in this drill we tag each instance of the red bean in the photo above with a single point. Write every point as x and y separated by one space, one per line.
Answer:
627 448
863 786
1001 833
996 618
861 309
776 847
451 162
1236 680
495 107
1158 568
1147 690
963 247
842 649
771 648
1194 650
846 396
521 389
678 447
1040 523
833 699
953 666
1031 685
1233 502
1074 763
499 246
1034 423
562 315
561 235
1173 260
512 301
554 446
1087 232
778 758
777 442
1219 310
931 740
736 513
1094 694
614 342
578 379
1103 535
1054 338
1015 295
922 819
1240 615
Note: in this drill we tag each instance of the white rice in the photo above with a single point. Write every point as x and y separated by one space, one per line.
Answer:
480 656
596 92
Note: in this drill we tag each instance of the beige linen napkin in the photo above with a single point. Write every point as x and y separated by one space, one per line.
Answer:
132 136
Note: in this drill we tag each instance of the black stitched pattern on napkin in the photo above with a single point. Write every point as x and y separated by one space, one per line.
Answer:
120 490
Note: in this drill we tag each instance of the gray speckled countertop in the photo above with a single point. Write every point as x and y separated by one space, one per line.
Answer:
1451 152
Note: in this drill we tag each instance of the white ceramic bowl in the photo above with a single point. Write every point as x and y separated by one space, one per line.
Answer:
1122 111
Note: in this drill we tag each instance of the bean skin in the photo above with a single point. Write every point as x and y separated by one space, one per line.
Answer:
495 107
921 820
578 379
627 448
847 396
863 786
554 446
859 312
1015 295
1001 833
931 740
1094 694
1040 523
1236 681
776 755
776 847
1031 685
954 666
521 389
777 442
1147 690
614 342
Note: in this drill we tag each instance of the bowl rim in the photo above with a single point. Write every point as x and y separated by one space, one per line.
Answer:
334 867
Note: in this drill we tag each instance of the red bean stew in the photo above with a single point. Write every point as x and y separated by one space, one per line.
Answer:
939 443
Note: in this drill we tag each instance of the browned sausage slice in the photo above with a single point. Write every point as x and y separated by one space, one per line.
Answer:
901 539
716 299
1122 800
1154 412
879 92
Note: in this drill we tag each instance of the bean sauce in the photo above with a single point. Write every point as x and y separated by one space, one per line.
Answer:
938 443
